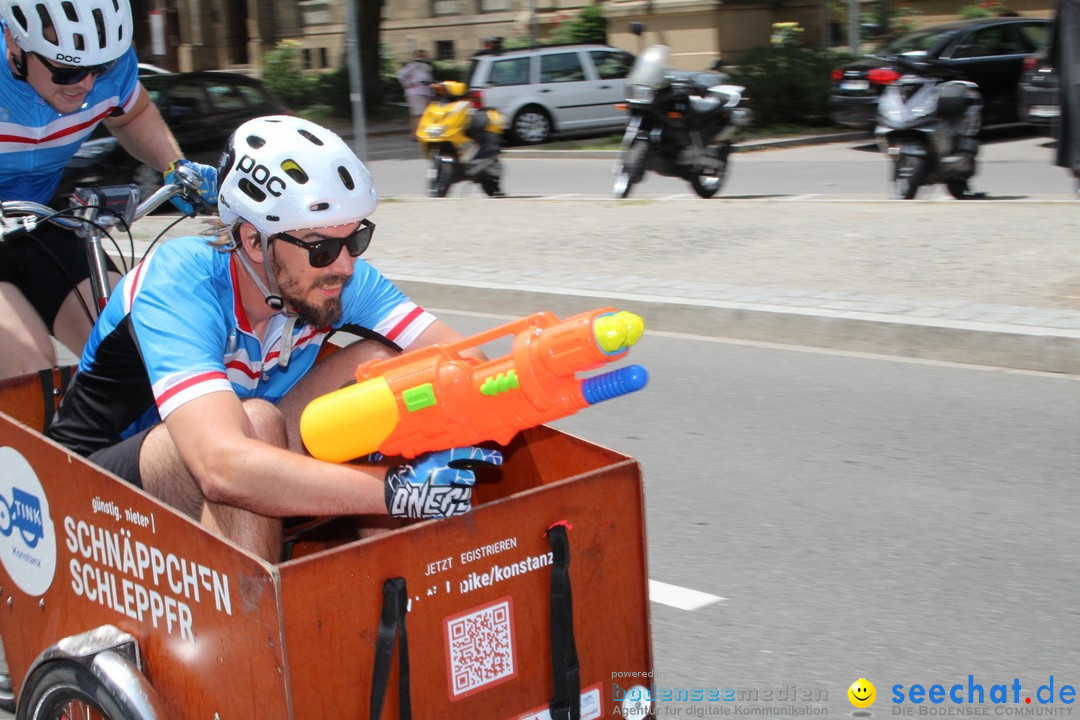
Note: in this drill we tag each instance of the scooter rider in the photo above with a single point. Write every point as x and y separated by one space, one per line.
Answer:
67 67
197 372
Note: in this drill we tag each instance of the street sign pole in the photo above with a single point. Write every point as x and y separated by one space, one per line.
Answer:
356 81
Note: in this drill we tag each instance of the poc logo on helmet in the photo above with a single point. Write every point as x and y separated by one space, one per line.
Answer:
69 59
261 175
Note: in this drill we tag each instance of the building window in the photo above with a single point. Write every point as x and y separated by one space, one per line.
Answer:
444 49
315 12
445 7
487 6
324 58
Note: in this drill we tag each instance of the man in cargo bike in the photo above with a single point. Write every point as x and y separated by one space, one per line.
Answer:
194 378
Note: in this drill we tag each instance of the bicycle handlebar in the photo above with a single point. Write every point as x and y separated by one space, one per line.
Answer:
94 218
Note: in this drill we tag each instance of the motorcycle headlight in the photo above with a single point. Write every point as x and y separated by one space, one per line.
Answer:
641 93
742 117
434 131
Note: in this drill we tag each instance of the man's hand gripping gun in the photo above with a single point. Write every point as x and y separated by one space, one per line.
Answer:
435 398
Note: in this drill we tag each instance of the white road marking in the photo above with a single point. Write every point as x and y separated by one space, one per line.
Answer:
680 196
680 597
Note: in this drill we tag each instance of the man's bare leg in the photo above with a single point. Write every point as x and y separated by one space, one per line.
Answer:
25 346
166 477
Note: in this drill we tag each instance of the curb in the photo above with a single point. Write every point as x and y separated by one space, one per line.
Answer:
971 343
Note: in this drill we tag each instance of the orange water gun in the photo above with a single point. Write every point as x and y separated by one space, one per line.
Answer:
435 398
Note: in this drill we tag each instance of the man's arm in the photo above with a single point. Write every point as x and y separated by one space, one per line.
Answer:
143 133
218 443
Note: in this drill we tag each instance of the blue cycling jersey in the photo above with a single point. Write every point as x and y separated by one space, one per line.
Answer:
175 330
36 141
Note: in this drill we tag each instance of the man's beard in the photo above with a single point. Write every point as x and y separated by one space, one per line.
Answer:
319 316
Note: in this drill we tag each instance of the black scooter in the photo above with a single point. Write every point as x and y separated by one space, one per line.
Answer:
681 125
928 126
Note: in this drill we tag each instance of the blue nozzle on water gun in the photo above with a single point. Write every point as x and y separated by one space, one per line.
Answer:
622 381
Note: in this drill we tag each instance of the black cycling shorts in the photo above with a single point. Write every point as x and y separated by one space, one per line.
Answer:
46 266
123 458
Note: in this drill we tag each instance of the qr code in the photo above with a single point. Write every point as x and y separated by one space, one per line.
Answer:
480 647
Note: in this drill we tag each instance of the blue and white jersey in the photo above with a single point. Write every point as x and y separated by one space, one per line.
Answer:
36 141
175 329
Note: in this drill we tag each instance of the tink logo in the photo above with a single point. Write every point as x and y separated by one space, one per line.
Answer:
27 533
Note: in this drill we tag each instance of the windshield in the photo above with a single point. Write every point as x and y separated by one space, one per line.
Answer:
921 41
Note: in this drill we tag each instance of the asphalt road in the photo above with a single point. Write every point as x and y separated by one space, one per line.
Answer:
906 522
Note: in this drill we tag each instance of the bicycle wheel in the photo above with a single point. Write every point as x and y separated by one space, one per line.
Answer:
65 690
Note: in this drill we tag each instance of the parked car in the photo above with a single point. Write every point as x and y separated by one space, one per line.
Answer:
543 91
1037 95
201 108
148 69
989 52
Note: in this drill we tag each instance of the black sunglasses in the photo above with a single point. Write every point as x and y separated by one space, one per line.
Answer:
323 252
72 75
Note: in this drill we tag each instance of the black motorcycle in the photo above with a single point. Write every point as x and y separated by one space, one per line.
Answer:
929 125
681 125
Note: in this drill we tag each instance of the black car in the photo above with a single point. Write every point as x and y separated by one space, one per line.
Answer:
201 108
989 52
1037 95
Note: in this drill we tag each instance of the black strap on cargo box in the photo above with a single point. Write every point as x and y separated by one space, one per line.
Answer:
51 390
395 605
566 698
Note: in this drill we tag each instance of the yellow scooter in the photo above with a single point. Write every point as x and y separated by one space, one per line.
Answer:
461 140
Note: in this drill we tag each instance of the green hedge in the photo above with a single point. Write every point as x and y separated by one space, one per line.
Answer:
787 84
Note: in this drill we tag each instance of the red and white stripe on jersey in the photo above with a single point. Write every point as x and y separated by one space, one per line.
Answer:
174 390
404 324
65 130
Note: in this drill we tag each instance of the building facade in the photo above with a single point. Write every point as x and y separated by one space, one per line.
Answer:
234 34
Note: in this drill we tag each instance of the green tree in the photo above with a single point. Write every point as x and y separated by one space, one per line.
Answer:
285 75
588 26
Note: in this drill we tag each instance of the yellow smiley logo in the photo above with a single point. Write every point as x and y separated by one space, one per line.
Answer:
862 693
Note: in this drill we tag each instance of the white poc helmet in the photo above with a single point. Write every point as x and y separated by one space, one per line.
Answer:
283 173
88 32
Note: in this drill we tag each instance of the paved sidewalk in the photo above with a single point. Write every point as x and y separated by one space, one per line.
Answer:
966 282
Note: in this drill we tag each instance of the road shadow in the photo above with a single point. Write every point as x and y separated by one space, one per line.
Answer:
755 197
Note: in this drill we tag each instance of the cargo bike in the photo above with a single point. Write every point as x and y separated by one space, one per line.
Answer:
116 606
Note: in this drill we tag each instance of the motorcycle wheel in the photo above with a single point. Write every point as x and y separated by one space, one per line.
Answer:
440 177
490 186
708 184
958 188
908 173
632 167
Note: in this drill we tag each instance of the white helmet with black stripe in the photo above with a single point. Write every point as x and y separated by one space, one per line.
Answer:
282 173
85 33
